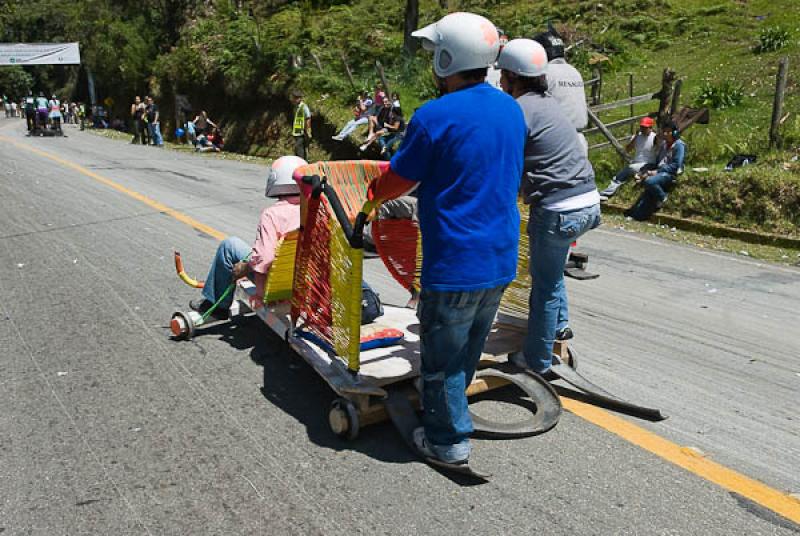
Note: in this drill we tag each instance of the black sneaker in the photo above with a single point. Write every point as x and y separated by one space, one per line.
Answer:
564 334
201 306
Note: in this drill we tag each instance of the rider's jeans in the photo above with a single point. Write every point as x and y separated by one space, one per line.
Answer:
550 235
229 252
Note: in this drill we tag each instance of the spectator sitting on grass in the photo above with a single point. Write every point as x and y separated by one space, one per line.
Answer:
658 181
377 124
394 133
202 124
377 100
361 117
211 142
644 159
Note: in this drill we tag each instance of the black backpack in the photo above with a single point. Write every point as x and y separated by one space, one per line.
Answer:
371 307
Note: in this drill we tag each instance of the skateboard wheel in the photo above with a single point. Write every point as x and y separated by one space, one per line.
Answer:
343 419
182 325
573 358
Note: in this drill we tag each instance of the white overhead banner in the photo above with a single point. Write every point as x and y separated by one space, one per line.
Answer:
39 54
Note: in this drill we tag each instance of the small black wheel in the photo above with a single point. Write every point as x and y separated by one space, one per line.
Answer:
343 419
573 358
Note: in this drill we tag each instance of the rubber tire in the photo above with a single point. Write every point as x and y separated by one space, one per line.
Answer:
343 419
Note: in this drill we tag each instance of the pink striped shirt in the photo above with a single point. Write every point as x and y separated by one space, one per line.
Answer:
276 222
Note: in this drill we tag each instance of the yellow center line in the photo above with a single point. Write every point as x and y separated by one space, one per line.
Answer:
152 203
688 459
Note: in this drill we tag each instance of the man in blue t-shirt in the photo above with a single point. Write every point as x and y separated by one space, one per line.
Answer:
464 152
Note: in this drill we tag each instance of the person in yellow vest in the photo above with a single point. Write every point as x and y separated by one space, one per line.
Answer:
301 125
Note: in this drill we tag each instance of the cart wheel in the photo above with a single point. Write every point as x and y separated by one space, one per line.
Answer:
343 419
573 358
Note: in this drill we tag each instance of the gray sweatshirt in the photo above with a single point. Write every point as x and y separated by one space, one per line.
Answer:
556 166
565 83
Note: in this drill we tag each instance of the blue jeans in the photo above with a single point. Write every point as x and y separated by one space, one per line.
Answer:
550 235
220 275
155 134
388 142
453 330
351 126
653 196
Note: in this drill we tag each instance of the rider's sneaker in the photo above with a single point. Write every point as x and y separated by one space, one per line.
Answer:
448 454
564 334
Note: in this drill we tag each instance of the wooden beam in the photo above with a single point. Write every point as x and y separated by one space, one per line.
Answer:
623 102
621 122
609 136
605 144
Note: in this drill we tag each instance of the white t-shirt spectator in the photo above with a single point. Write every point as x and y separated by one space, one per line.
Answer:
645 148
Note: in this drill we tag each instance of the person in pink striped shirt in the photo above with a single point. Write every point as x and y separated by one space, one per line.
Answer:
231 261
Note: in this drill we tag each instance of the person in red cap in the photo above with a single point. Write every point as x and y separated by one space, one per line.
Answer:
644 159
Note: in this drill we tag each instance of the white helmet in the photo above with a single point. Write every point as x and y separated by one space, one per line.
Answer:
524 57
279 180
460 42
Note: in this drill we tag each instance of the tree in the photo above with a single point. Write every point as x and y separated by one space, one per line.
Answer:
410 44
14 81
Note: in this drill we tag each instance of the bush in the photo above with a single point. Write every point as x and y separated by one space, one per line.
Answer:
719 96
771 39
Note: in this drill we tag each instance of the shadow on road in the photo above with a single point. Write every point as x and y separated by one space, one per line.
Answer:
293 386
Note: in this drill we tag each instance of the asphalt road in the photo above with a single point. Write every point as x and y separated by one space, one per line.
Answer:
109 427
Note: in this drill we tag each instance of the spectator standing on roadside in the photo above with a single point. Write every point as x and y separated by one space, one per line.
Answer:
30 111
564 82
154 123
7 106
13 108
42 111
137 114
301 125
55 113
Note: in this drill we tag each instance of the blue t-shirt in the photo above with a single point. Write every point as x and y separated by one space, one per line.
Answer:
466 150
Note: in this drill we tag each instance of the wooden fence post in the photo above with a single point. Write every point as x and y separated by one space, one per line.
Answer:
633 106
676 98
379 68
597 87
347 70
777 104
665 96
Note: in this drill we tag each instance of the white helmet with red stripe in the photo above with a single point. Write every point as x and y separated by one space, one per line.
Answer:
460 42
524 57
279 180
